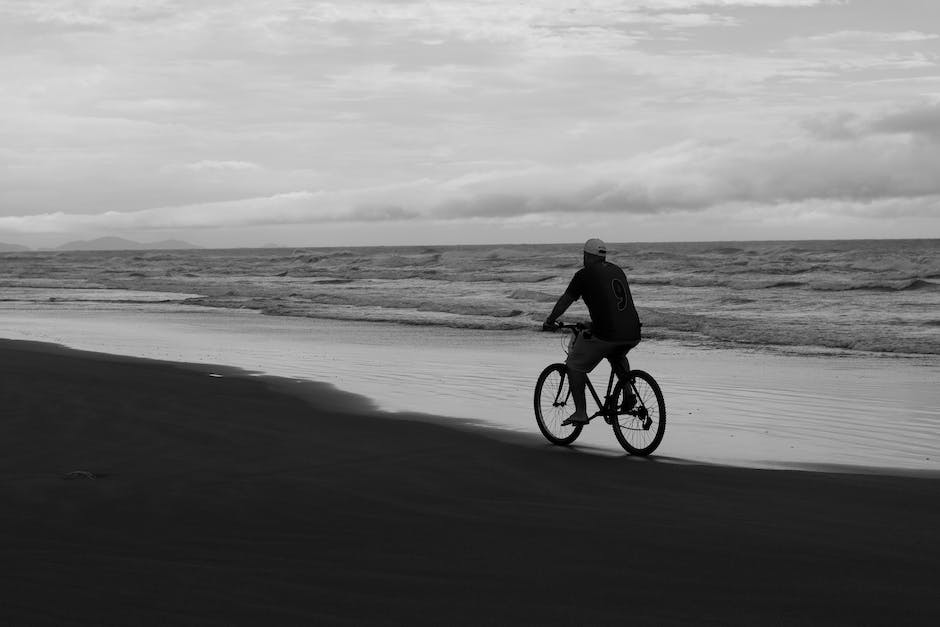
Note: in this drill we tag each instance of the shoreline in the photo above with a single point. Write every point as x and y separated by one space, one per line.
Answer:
242 500
746 408
314 392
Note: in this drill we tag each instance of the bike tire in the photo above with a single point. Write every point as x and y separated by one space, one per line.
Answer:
553 404
629 425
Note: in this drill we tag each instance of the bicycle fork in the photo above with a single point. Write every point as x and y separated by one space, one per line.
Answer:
562 387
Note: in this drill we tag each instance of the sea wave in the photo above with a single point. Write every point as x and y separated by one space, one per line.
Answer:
901 285
873 296
880 338
658 323
533 295
813 284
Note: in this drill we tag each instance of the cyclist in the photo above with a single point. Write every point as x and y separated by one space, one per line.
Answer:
615 326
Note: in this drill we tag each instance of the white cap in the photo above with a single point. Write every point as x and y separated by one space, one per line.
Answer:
595 246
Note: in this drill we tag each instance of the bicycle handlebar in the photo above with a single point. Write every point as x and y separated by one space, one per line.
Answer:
576 327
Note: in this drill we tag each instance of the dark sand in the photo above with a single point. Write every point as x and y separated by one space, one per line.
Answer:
240 500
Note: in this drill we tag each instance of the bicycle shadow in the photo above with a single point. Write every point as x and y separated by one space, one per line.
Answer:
589 450
535 442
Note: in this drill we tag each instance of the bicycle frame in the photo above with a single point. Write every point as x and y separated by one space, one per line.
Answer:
601 405
614 375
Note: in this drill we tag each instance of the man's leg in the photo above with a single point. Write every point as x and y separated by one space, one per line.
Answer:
621 366
576 383
584 355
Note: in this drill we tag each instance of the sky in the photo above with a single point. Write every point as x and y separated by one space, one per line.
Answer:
296 122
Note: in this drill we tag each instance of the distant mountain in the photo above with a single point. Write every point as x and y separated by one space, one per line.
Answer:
12 248
119 243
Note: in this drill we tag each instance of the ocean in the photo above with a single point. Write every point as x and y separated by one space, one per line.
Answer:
879 296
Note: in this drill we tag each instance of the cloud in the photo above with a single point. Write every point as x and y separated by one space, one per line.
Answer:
831 62
840 125
919 121
694 176
689 4
682 21
867 36
865 51
864 159
285 27
221 165
879 163
148 106
302 207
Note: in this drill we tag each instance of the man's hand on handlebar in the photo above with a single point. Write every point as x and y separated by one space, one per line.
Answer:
550 326
557 324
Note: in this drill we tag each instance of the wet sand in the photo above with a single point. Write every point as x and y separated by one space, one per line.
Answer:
237 500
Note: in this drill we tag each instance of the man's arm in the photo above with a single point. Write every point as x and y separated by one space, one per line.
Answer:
560 308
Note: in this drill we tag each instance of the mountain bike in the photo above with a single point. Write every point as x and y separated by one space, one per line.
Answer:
633 404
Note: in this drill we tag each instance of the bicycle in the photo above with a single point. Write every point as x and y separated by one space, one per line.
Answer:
633 406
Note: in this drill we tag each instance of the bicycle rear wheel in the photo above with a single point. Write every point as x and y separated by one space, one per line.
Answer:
553 404
640 421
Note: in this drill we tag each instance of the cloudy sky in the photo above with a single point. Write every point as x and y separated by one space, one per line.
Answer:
393 121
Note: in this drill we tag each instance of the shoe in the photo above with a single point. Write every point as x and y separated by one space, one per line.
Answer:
574 420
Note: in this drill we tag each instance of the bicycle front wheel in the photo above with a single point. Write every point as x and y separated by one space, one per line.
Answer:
640 420
553 405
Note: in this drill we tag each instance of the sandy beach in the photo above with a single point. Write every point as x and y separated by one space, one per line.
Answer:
206 499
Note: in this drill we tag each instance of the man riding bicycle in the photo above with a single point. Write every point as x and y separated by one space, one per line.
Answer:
615 326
